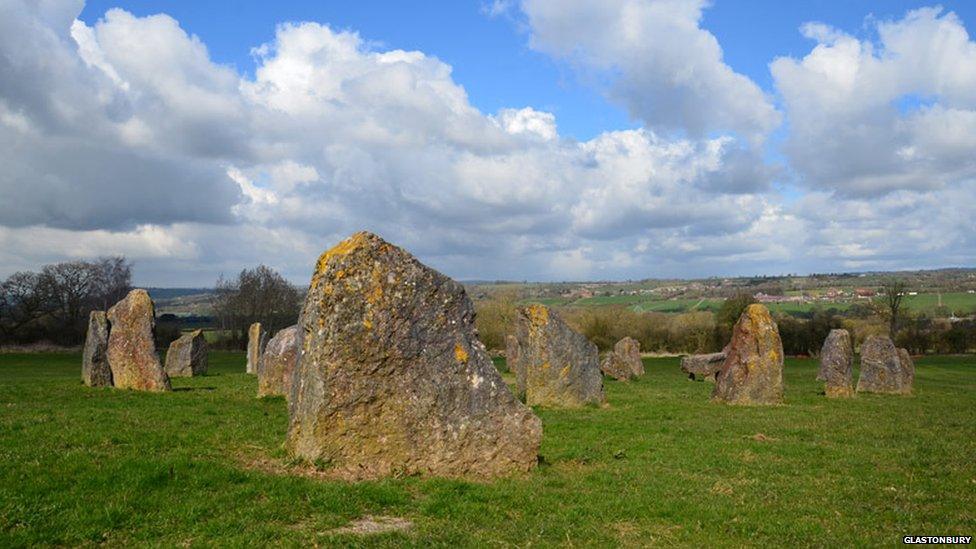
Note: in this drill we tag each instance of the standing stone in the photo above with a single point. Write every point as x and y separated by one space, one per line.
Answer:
624 362
187 356
907 370
881 368
836 361
558 367
257 339
278 363
391 377
131 346
511 352
753 370
703 367
95 371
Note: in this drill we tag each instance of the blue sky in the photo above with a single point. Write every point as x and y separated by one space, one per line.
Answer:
490 55
511 139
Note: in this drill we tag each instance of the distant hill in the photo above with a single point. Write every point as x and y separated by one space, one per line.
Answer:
159 294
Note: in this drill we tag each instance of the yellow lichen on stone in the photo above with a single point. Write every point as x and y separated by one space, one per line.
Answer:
345 247
368 324
538 314
460 354
564 372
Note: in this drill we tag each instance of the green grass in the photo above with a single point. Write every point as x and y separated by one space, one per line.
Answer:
661 465
959 302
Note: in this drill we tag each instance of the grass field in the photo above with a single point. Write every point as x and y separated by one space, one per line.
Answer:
660 465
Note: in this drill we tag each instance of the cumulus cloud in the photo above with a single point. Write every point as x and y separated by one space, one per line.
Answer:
125 137
660 63
872 117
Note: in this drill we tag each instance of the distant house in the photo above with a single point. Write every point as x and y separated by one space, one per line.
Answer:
865 293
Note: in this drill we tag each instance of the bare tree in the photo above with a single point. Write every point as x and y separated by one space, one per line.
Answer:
22 303
257 295
891 295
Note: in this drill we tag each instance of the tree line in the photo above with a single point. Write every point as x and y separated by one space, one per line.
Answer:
53 304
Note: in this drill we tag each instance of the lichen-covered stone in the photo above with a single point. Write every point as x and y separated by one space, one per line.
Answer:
624 362
95 370
557 367
131 346
278 363
907 370
836 361
753 370
257 340
391 378
881 368
187 356
703 367
511 352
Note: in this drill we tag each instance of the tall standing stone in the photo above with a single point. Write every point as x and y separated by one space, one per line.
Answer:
257 339
907 370
131 346
95 370
187 356
753 370
391 377
836 362
511 352
277 365
558 367
624 362
881 368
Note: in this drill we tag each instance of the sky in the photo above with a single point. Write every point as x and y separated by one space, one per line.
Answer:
520 140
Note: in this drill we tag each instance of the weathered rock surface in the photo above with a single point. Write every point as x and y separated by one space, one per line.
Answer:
257 340
836 361
881 368
753 370
278 363
624 362
557 366
95 371
187 356
511 352
391 377
131 346
703 367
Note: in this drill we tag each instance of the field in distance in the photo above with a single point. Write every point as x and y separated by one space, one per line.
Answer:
660 465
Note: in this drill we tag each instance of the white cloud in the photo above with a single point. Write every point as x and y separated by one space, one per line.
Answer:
665 68
867 118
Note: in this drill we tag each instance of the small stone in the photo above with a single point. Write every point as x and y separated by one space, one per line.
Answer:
753 370
391 377
95 370
624 362
881 368
187 356
703 367
257 339
131 345
557 366
278 363
836 361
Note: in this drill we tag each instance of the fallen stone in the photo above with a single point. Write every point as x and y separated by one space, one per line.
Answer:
131 345
703 367
836 362
95 370
257 340
278 363
623 363
391 378
187 356
881 368
753 370
557 366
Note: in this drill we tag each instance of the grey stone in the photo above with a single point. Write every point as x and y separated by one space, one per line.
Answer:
132 347
277 367
187 356
391 378
836 361
703 367
624 362
753 370
95 370
557 367
257 339
881 368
